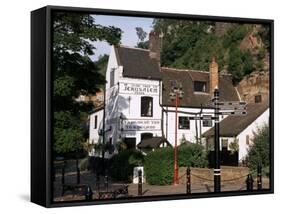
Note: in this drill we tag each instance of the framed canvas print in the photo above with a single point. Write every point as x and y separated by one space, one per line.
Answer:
138 106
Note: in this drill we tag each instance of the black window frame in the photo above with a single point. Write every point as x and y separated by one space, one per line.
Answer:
180 118
258 98
209 123
201 86
143 99
96 122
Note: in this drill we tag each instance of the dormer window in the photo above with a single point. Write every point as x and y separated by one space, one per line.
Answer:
200 86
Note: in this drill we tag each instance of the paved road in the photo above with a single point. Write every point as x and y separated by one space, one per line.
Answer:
88 178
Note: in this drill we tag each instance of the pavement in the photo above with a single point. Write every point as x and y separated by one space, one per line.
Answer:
89 179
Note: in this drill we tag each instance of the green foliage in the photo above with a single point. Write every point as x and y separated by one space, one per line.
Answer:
192 155
259 150
240 63
158 165
67 140
121 145
141 34
192 44
122 164
264 34
234 146
102 64
234 35
75 74
143 45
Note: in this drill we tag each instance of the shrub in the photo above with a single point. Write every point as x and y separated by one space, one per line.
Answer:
259 151
122 164
158 165
192 155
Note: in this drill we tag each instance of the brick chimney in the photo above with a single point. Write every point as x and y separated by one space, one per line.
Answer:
214 75
154 46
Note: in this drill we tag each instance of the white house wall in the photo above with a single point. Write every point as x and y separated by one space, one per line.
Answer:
260 121
94 132
130 107
189 134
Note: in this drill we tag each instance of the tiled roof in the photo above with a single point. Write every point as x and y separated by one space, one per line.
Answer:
192 98
137 63
234 125
153 142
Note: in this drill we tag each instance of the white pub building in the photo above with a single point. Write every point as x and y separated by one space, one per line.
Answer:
138 108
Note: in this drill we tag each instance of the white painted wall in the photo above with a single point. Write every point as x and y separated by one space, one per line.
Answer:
189 134
242 137
260 121
126 103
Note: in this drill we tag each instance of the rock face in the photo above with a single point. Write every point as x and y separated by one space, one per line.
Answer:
253 86
251 41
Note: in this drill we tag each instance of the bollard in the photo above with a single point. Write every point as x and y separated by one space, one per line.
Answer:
78 172
106 182
259 177
78 176
188 183
98 182
249 182
140 183
62 173
88 194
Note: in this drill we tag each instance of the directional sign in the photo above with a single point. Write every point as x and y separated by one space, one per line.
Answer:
232 108
195 118
233 113
205 117
232 103
235 105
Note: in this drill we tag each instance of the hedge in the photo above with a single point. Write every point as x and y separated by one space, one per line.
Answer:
158 165
122 165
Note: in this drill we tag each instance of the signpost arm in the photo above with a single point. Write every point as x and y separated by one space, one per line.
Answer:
217 170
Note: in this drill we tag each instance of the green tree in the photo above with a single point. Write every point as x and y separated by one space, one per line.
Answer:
102 64
258 152
75 74
141 34
191 45
240 63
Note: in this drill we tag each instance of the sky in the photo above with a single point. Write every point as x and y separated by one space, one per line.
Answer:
127 25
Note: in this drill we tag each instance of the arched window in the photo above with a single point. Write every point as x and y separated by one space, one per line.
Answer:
146 106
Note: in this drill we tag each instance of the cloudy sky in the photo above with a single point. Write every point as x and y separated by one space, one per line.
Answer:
127 25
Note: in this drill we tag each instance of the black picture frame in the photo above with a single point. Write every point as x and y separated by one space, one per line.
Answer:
41 104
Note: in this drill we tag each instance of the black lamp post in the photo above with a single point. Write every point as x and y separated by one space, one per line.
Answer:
217 170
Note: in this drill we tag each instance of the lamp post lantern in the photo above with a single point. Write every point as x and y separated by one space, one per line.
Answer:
176 94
